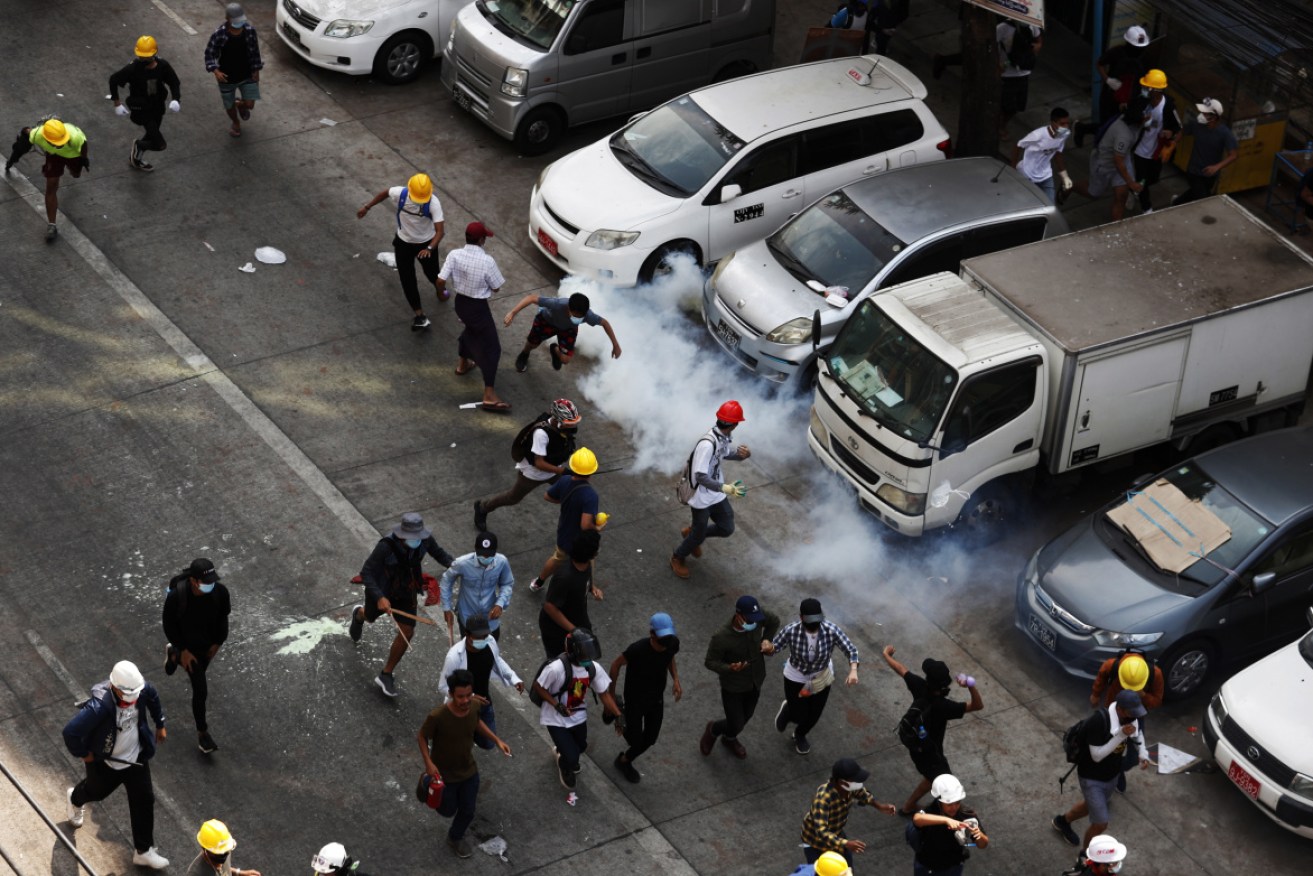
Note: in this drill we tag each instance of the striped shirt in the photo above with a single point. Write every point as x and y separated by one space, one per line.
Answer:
807 660
471 271
822 826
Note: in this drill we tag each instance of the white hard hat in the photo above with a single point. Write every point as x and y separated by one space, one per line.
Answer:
127 678
947 789
1137 36
1105 849
331 859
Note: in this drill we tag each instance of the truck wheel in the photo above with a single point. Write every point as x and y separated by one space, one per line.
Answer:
985 515
402 57
1186 667
661 263
539 130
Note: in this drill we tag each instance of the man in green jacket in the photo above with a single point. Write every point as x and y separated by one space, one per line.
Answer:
737 653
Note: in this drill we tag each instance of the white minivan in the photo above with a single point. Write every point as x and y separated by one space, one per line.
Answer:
393 39
722 166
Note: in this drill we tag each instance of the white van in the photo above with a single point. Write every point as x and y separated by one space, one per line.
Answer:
393 39
531 68
720 167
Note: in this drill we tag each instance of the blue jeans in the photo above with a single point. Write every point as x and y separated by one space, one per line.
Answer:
487 716
458 800
714 522
1048 188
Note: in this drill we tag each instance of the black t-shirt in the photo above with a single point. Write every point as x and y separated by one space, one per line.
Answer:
938 711
568 591
1098 731
480 666
646 669
235 58
940 849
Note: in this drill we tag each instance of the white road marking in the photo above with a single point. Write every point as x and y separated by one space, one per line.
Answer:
177 19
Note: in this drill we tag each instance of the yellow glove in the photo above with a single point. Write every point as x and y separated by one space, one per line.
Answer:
735 489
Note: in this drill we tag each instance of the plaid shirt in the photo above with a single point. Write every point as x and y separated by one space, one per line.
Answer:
471 271
219 39
808 662
822 827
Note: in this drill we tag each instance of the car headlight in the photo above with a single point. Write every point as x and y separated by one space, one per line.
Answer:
795 331
603 239
346 27
1217 708
818 427
1122 640
451 35
514 81
908 503
1302 785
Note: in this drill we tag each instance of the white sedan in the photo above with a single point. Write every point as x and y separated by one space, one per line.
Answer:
393 39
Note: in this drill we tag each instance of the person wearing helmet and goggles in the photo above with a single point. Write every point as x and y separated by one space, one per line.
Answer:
1104 857
111 735
215 858
560 317
945 831
332 860
419 229
149 80
563 687
541 451
713 516
1129 670
578 501
1162 128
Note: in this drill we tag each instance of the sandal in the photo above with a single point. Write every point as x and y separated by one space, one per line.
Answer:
462 373
234 131
499 407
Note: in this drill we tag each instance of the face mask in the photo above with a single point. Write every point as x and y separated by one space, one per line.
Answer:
126 704
479 644
577 320
1115 867
413 543
853 787
586 664
811 628
1201 119
486 561
207 588
747 627
569 430
1062 133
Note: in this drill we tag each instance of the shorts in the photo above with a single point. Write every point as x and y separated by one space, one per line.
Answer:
56 165
1097 793
930 764
1102 181
249 88
406 602
542 330
1015 94
560 555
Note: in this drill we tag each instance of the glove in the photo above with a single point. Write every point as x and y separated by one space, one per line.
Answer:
174 106
562 709
1114 84
120 110
1067 184
735 489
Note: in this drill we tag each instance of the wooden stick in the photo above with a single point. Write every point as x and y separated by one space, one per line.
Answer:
424 620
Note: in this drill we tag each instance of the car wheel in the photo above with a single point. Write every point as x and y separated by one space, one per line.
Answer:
539 130
402 57
985 516
662 262
1186 668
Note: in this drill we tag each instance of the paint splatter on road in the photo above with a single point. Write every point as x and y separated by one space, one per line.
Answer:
305 635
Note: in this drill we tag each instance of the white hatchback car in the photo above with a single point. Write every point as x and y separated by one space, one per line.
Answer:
722 166
393 39
1257 728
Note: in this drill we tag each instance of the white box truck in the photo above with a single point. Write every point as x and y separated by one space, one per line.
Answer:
941 398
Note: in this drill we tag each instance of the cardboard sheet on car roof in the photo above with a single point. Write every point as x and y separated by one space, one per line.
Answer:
1174 530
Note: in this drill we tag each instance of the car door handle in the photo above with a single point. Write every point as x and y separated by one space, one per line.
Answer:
791 193
1024 445
620 58
645 52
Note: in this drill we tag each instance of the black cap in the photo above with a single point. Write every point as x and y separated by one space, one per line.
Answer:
810 611
476 625
848 770
936 674
203 570
486 544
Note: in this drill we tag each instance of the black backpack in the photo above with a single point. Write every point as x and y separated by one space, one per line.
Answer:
911 727
520 447
537 700
1072 740
1022 53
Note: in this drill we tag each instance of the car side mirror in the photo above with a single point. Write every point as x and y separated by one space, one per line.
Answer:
730 192
1262 583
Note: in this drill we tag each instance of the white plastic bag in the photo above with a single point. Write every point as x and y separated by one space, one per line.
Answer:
389 259
270 256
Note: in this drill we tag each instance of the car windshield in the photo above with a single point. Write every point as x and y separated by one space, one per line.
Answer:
676 146
834 243
536 22
1247 528
897 381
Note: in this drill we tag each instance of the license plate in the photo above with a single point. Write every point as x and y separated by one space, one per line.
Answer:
292 34
727 335
548 244
464 101
1042 633
1243 780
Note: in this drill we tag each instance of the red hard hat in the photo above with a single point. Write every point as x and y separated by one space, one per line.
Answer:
730 412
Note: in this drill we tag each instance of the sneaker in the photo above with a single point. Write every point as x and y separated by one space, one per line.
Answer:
480 517
567 777
697 551
420 323
1062 826
75 813
522 362
801 745
206 743
1147 212
51 231
782 717
678 566
170 659
627 769
461 847
357 625
134 153
386 684
556 357
150 858
535 585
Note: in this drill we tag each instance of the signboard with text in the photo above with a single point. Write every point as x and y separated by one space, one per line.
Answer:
1029 11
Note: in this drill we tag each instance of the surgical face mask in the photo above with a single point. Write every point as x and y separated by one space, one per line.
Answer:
1115 867
486 561
853 787
207 588
1062 133
748 627
577 320
586 664
413 543
1201 119
479 644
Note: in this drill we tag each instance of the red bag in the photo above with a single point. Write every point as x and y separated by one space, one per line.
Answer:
429 790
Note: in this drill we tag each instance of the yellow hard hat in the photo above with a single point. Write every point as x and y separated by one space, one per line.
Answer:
583 462
214 837
420 188
1154 79
1133 672
55 133
146 47
832 864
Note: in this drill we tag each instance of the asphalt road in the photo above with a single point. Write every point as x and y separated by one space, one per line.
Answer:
158 404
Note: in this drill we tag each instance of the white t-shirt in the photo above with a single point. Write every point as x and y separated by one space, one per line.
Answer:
539 447
1148 142
707 454
127 746
792 673
574 696
1039 147
412 225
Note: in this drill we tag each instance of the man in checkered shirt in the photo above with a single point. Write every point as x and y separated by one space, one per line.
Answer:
475 278
809 672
